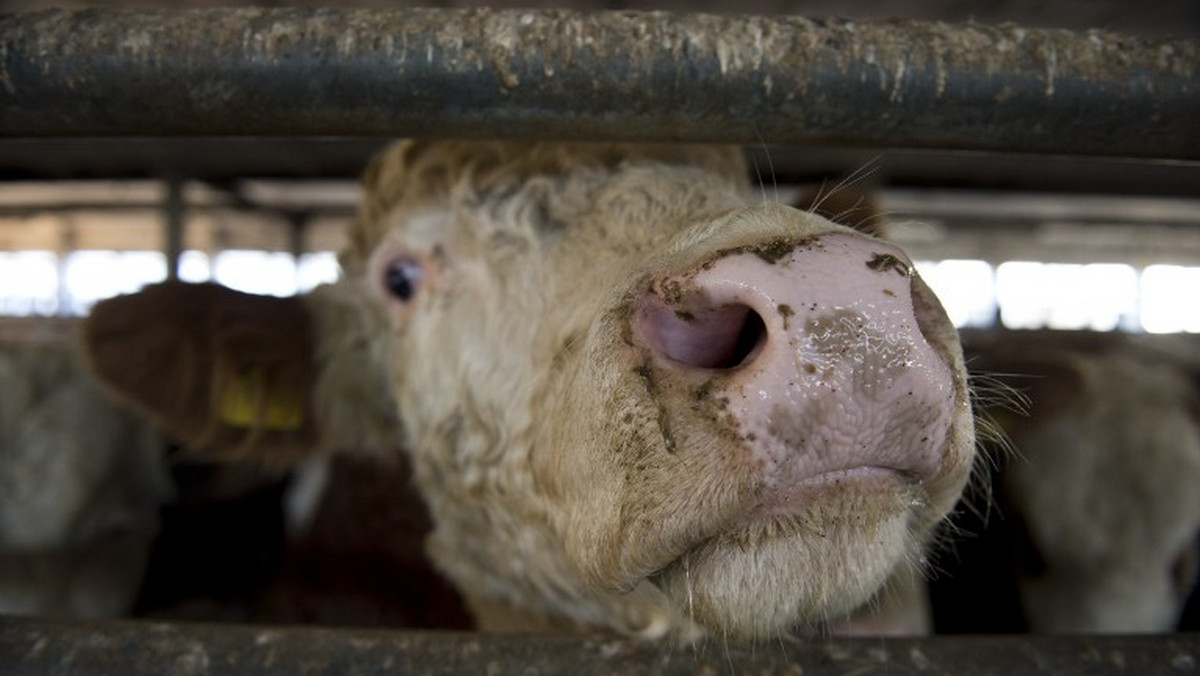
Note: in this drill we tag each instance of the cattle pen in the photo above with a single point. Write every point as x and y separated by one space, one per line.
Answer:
217 95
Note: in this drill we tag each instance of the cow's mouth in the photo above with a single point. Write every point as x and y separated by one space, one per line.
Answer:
843 500
785 502
797 558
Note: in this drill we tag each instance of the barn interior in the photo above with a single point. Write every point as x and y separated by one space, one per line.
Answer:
1034 242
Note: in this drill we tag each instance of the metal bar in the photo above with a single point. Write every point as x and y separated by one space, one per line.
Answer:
173 224
29 646
596 76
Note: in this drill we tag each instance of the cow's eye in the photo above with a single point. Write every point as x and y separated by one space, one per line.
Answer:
402 277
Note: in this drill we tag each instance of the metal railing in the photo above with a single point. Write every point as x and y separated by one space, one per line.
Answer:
598 76
60 647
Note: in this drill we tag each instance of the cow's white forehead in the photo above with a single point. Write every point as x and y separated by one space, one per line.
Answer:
420 231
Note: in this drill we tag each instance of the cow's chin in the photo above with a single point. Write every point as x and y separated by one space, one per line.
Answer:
793 573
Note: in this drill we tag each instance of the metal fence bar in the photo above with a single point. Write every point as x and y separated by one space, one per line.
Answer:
29 646
598 76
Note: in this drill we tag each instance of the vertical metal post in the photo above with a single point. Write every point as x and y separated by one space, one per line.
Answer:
67 242
297 229
173 216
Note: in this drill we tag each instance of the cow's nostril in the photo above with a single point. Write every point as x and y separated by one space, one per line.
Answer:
749 342
721 337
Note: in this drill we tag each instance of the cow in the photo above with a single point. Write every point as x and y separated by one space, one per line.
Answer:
634 395
1101 489
81 483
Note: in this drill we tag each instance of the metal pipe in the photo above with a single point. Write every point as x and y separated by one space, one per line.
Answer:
173 225
32 646
648 76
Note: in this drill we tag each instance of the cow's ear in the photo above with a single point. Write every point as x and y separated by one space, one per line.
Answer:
845 205
227 373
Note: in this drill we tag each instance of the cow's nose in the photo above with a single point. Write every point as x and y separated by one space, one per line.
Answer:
819 344
726 313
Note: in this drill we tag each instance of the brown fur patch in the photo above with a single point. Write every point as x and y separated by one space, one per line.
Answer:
176 351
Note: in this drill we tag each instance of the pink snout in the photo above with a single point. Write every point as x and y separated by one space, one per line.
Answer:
820 351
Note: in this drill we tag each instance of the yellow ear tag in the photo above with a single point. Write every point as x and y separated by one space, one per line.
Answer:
281 411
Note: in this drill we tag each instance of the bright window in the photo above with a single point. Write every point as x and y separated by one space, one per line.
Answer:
90 276
317 268
28 283
261 272
1171 299
966 289
1100 297
194 266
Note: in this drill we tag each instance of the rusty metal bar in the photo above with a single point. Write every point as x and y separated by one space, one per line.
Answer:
598 76
29 646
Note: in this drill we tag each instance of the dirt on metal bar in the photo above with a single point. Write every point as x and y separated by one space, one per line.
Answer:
600 76
32 646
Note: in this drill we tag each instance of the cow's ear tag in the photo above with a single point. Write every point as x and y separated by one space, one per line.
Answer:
248 402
